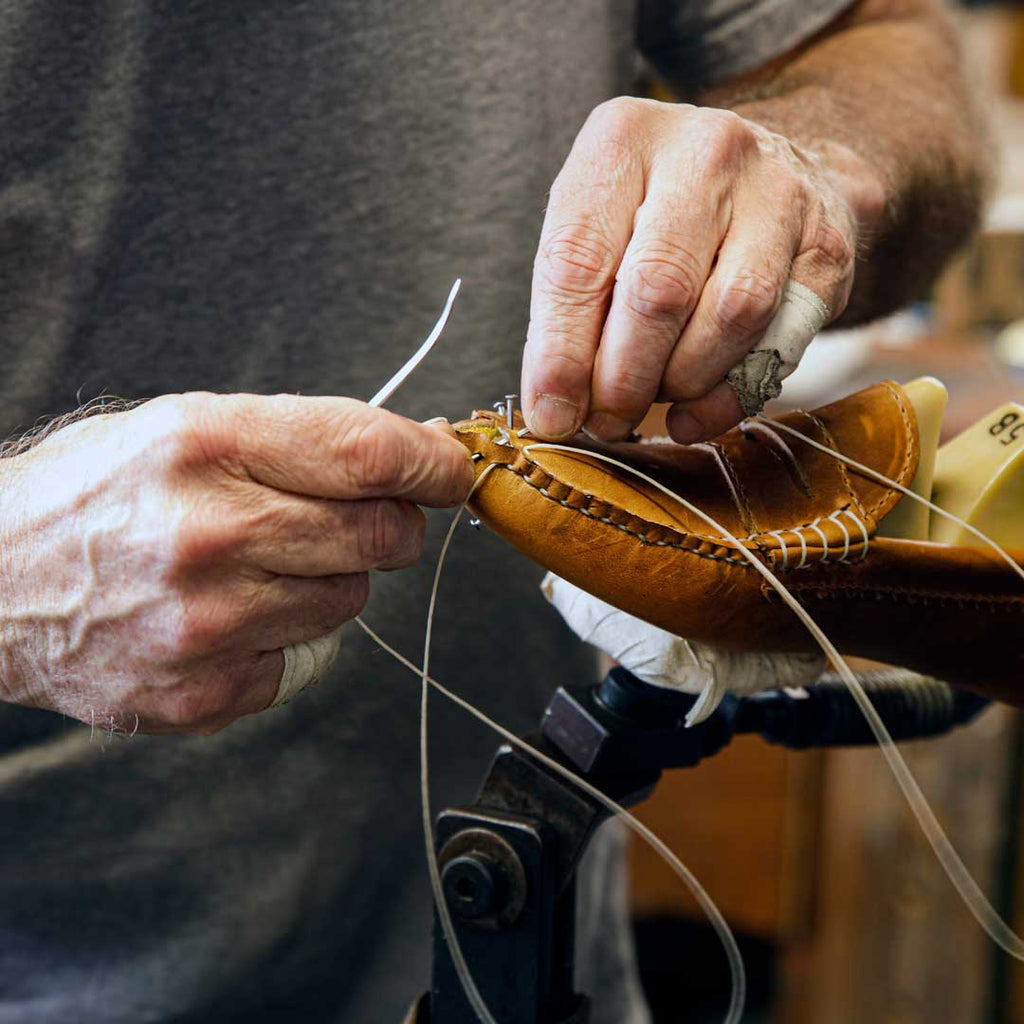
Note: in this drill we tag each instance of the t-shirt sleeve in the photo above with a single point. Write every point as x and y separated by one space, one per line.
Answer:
704 42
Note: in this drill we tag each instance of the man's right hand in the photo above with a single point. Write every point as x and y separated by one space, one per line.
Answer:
153 563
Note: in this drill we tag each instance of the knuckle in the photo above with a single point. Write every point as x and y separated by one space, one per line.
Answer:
374 454
186 429
724 139
575 260
172 420
747 303
615 121
203 626
827 244
629 393
791 190
194 543
659 285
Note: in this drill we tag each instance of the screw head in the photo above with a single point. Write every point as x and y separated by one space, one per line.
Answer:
470 885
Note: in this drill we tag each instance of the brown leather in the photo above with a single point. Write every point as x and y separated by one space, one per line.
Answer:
953 612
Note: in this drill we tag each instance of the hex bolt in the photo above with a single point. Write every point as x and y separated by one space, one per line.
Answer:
470 885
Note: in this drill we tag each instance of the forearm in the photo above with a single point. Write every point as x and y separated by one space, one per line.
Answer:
880 97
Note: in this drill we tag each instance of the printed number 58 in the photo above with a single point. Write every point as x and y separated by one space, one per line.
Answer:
1011 420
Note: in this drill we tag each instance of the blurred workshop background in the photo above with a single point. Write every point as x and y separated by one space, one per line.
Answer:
842 911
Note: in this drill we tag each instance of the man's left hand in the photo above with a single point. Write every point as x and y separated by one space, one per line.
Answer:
670 235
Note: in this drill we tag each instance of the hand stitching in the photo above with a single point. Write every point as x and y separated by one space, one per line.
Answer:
543 481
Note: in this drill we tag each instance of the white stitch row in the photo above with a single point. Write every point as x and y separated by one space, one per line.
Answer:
832 518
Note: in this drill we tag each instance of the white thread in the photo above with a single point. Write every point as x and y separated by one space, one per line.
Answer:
714 915
824 540
846 536
461 968
962 880
420 354
777 534
803 549
832 517
960 877
863 529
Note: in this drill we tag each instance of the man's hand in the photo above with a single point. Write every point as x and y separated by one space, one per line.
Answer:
669 237
672 230
153 563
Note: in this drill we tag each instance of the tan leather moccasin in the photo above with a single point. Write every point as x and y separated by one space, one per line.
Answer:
955 612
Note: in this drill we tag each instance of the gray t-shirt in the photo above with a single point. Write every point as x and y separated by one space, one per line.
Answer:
263 195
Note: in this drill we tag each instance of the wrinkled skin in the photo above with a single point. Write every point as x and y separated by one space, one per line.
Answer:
670 234
155 561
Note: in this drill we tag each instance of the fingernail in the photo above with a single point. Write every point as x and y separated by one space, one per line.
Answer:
684 427
554 417
603 426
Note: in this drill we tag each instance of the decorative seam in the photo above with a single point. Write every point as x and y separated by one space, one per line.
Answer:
843 474
741 561
826 550
900 476
908 435
545 481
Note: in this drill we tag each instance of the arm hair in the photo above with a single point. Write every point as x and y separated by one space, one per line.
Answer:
885 82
